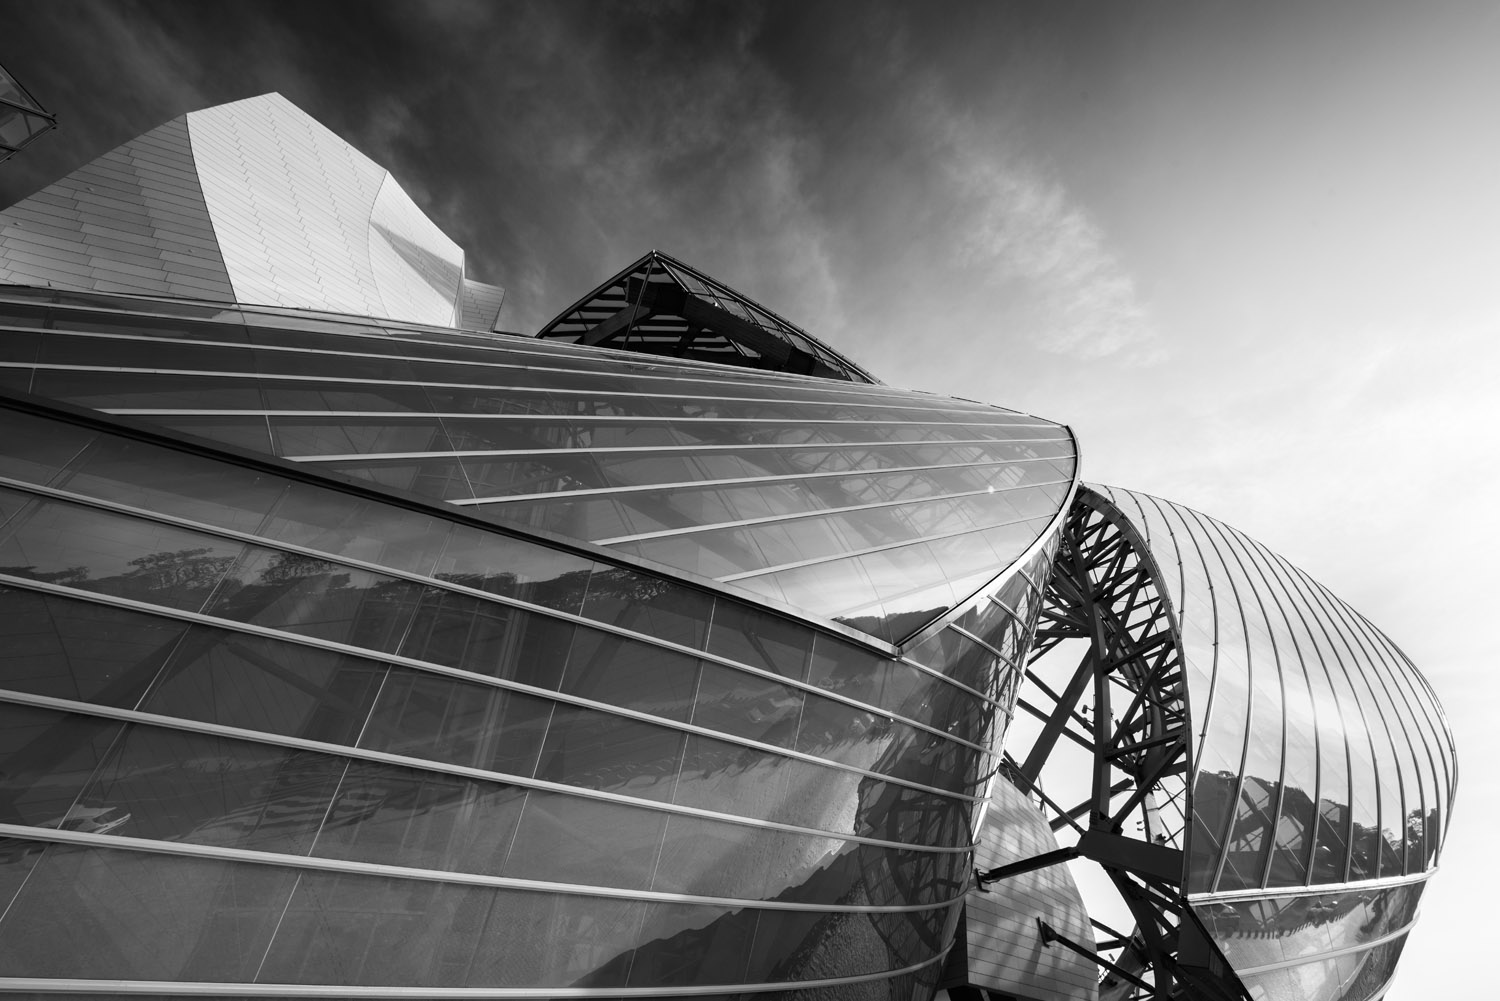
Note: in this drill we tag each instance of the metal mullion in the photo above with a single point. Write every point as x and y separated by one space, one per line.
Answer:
349 752
457 673
740 481
168 988
150 846
269 543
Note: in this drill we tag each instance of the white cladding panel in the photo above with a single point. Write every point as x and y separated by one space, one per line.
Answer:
418 270
307 221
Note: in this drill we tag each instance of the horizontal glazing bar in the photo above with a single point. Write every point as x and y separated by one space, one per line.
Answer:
731 578
441 767
323 864
818 513
1316 890
445 585
177 988
741 481
602 449
545 693
291 349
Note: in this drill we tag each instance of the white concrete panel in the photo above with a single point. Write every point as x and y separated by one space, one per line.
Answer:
418 270
290 203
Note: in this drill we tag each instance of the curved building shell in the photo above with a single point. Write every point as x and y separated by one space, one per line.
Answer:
354 650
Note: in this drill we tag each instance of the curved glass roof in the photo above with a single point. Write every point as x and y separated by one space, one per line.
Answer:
1320 753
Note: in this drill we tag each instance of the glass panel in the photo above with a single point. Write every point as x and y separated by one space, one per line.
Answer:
748 705
650 605
501 564
313 597
685 945
486 637
363 930
344 525
36 448
426 820
114 554
760 639
49 758
126 915
616 671
236 679
70 649
568 839
429 716
599 751
174 786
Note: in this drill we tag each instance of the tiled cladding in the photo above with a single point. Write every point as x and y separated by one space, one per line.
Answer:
881 508
306 220
1005 953
259 729
479 305
1321 754
133 220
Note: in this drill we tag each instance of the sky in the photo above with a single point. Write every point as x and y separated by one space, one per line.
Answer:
1249 252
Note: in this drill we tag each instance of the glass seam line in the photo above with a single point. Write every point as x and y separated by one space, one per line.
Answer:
499 599
339 991
405 332
351 752
251 346
555 696
586 449
188 849
352 380
733 578
819 513
857 473
1321 956
693 371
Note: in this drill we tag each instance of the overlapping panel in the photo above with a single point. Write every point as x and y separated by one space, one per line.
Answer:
661 306
258 730
134 220
882 508
418 270
479 305
1004 949
1321 758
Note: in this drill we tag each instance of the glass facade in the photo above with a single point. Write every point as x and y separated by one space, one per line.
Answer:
667 653
1321 760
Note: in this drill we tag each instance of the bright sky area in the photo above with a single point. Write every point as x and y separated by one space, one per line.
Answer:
1248 251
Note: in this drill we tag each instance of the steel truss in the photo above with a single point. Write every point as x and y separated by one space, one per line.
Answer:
1126 705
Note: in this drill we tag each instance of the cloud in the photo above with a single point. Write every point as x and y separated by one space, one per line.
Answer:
1029 240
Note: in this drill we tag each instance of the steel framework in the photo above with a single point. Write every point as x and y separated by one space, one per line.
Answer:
1126 705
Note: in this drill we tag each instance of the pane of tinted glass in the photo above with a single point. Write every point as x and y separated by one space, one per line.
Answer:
49 756
36 448
650 605
174 786
71 649
430 716
426 820
685 944
313 597
176 483
600 751
344 525
501 564
568 839
125 915
247 431
297 436
241 680
760 639
118 555
748 705
486 637
617 671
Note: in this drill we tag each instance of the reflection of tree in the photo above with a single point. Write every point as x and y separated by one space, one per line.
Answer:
183 568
